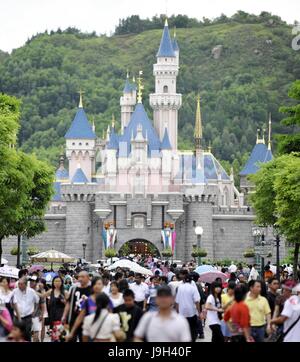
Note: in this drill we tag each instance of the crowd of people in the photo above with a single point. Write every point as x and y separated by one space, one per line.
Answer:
172 305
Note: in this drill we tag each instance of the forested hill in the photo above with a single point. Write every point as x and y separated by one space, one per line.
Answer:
242 69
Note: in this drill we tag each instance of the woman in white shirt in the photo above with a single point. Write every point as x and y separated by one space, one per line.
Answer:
213 307
102 326
115 296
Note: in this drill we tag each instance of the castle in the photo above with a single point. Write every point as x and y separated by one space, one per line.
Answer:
136 187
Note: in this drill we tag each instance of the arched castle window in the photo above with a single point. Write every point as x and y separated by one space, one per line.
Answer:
165 89
73 143
80 144
87 144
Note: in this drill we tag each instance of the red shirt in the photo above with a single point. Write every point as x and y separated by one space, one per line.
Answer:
239 315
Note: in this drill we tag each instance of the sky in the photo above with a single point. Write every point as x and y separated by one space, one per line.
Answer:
20 19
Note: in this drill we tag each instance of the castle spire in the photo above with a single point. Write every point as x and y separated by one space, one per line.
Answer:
80 105
140 87
260 140
269 137
198 126
113 121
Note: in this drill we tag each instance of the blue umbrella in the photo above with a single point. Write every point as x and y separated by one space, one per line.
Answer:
204 268
49 276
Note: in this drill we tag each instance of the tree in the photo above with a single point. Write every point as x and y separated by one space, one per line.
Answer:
277 197
25 183
291 142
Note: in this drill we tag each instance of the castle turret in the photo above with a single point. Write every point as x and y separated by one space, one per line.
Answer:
80 143
165 101
175 47
127 102
198 129
166 151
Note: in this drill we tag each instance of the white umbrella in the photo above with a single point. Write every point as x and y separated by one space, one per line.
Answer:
4 261
125 263
52 256
232 268
9 271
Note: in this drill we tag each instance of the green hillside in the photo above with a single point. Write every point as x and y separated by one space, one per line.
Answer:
249 79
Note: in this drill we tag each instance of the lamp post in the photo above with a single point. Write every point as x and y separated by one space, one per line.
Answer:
199 232
277 244
83 248
258 244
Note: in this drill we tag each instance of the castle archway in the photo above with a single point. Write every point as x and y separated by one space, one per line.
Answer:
139 247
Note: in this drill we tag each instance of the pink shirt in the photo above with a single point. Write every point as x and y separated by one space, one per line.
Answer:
5 314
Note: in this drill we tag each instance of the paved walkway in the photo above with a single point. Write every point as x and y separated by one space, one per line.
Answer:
207 335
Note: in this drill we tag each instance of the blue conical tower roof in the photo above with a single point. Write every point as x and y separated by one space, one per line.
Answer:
79 176
80 127
259 154
127 87
166 47
165 143
175 44
113 143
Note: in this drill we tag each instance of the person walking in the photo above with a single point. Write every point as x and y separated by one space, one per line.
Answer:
260 312
188 304
290 317
273 285
152 292
226 302
214 312
102 326
88 306
253 273
129 313
115 296
78 293
237 316
140 291
56 297
164 325
24 301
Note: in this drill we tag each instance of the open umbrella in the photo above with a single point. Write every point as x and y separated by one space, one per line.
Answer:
9 271
36 268
204 268
3 261
135 267
211 276
52 256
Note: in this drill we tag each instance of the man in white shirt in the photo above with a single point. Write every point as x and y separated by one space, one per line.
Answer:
188 304
290 317
253 273
25 300
165 325
141 291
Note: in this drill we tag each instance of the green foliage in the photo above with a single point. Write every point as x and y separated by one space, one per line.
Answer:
291 142
249 80
289 259
167 252
110 253
124 250
26 184
14 251
249 253
32 250
198 252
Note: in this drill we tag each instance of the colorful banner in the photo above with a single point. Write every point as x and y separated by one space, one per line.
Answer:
104 238
111 237
169 238
173 233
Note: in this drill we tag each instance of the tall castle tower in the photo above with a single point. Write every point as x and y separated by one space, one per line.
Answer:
127 102
80 146
165 102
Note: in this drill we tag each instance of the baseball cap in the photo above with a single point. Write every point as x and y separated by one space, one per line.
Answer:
164 291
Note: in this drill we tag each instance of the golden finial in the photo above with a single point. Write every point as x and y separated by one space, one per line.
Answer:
103 134
198 125
133 79
263 136
113 121
166 22
209 146
93 126
269 138
257 135
81 92
140 87
127 74
174 31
